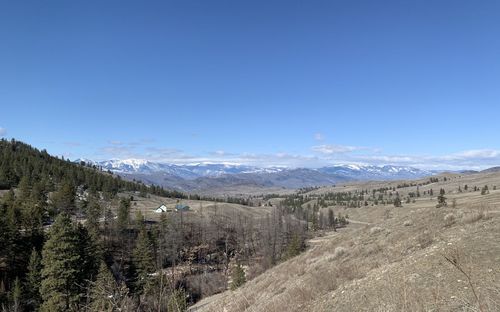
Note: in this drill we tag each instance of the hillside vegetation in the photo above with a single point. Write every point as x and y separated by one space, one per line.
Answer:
22 164
420 256
74 238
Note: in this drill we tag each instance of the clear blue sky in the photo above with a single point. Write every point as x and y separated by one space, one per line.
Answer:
268 82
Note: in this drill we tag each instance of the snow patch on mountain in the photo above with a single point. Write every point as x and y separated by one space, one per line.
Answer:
213 170
186 171
371 172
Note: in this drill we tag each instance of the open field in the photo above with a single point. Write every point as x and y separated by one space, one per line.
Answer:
412 258
451 184
198 208
246 190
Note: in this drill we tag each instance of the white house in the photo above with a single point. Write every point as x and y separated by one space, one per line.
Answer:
161 209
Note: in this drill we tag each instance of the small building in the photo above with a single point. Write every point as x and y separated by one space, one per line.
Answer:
181 207
161 209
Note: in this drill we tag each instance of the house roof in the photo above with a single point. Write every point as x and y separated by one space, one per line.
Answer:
181 206
162 207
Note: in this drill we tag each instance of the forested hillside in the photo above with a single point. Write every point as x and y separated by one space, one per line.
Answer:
22 164
38 189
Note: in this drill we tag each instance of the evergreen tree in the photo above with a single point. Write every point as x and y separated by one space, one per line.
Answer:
64 199
89 256
331 219
93 210
314 221
34 280
139 219
397 202
16 296
123 216
5 248
143 258
24 188
61 263
441 199
11 245
177 301
295 246
104 290
485 190
237 277
12 211
34 208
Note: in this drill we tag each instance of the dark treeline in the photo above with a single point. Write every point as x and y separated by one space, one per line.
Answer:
228 199
63 247
21 161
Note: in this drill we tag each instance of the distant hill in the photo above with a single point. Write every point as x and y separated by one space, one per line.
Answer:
468 171
491 170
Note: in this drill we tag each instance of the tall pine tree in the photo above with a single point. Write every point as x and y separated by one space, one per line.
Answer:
34 280
61 261
143 258
64 199
104 290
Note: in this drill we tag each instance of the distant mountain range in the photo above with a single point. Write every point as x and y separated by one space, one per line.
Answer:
213 176
189 172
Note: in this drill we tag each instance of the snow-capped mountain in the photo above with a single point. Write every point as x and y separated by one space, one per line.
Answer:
367 172
204 176
187 171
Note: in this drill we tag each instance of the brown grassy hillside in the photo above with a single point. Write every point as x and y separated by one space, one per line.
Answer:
414 258
198 208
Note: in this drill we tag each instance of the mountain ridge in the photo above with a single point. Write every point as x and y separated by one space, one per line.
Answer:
210 176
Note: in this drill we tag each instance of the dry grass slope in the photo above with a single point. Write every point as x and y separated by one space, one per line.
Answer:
414 258
198 208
